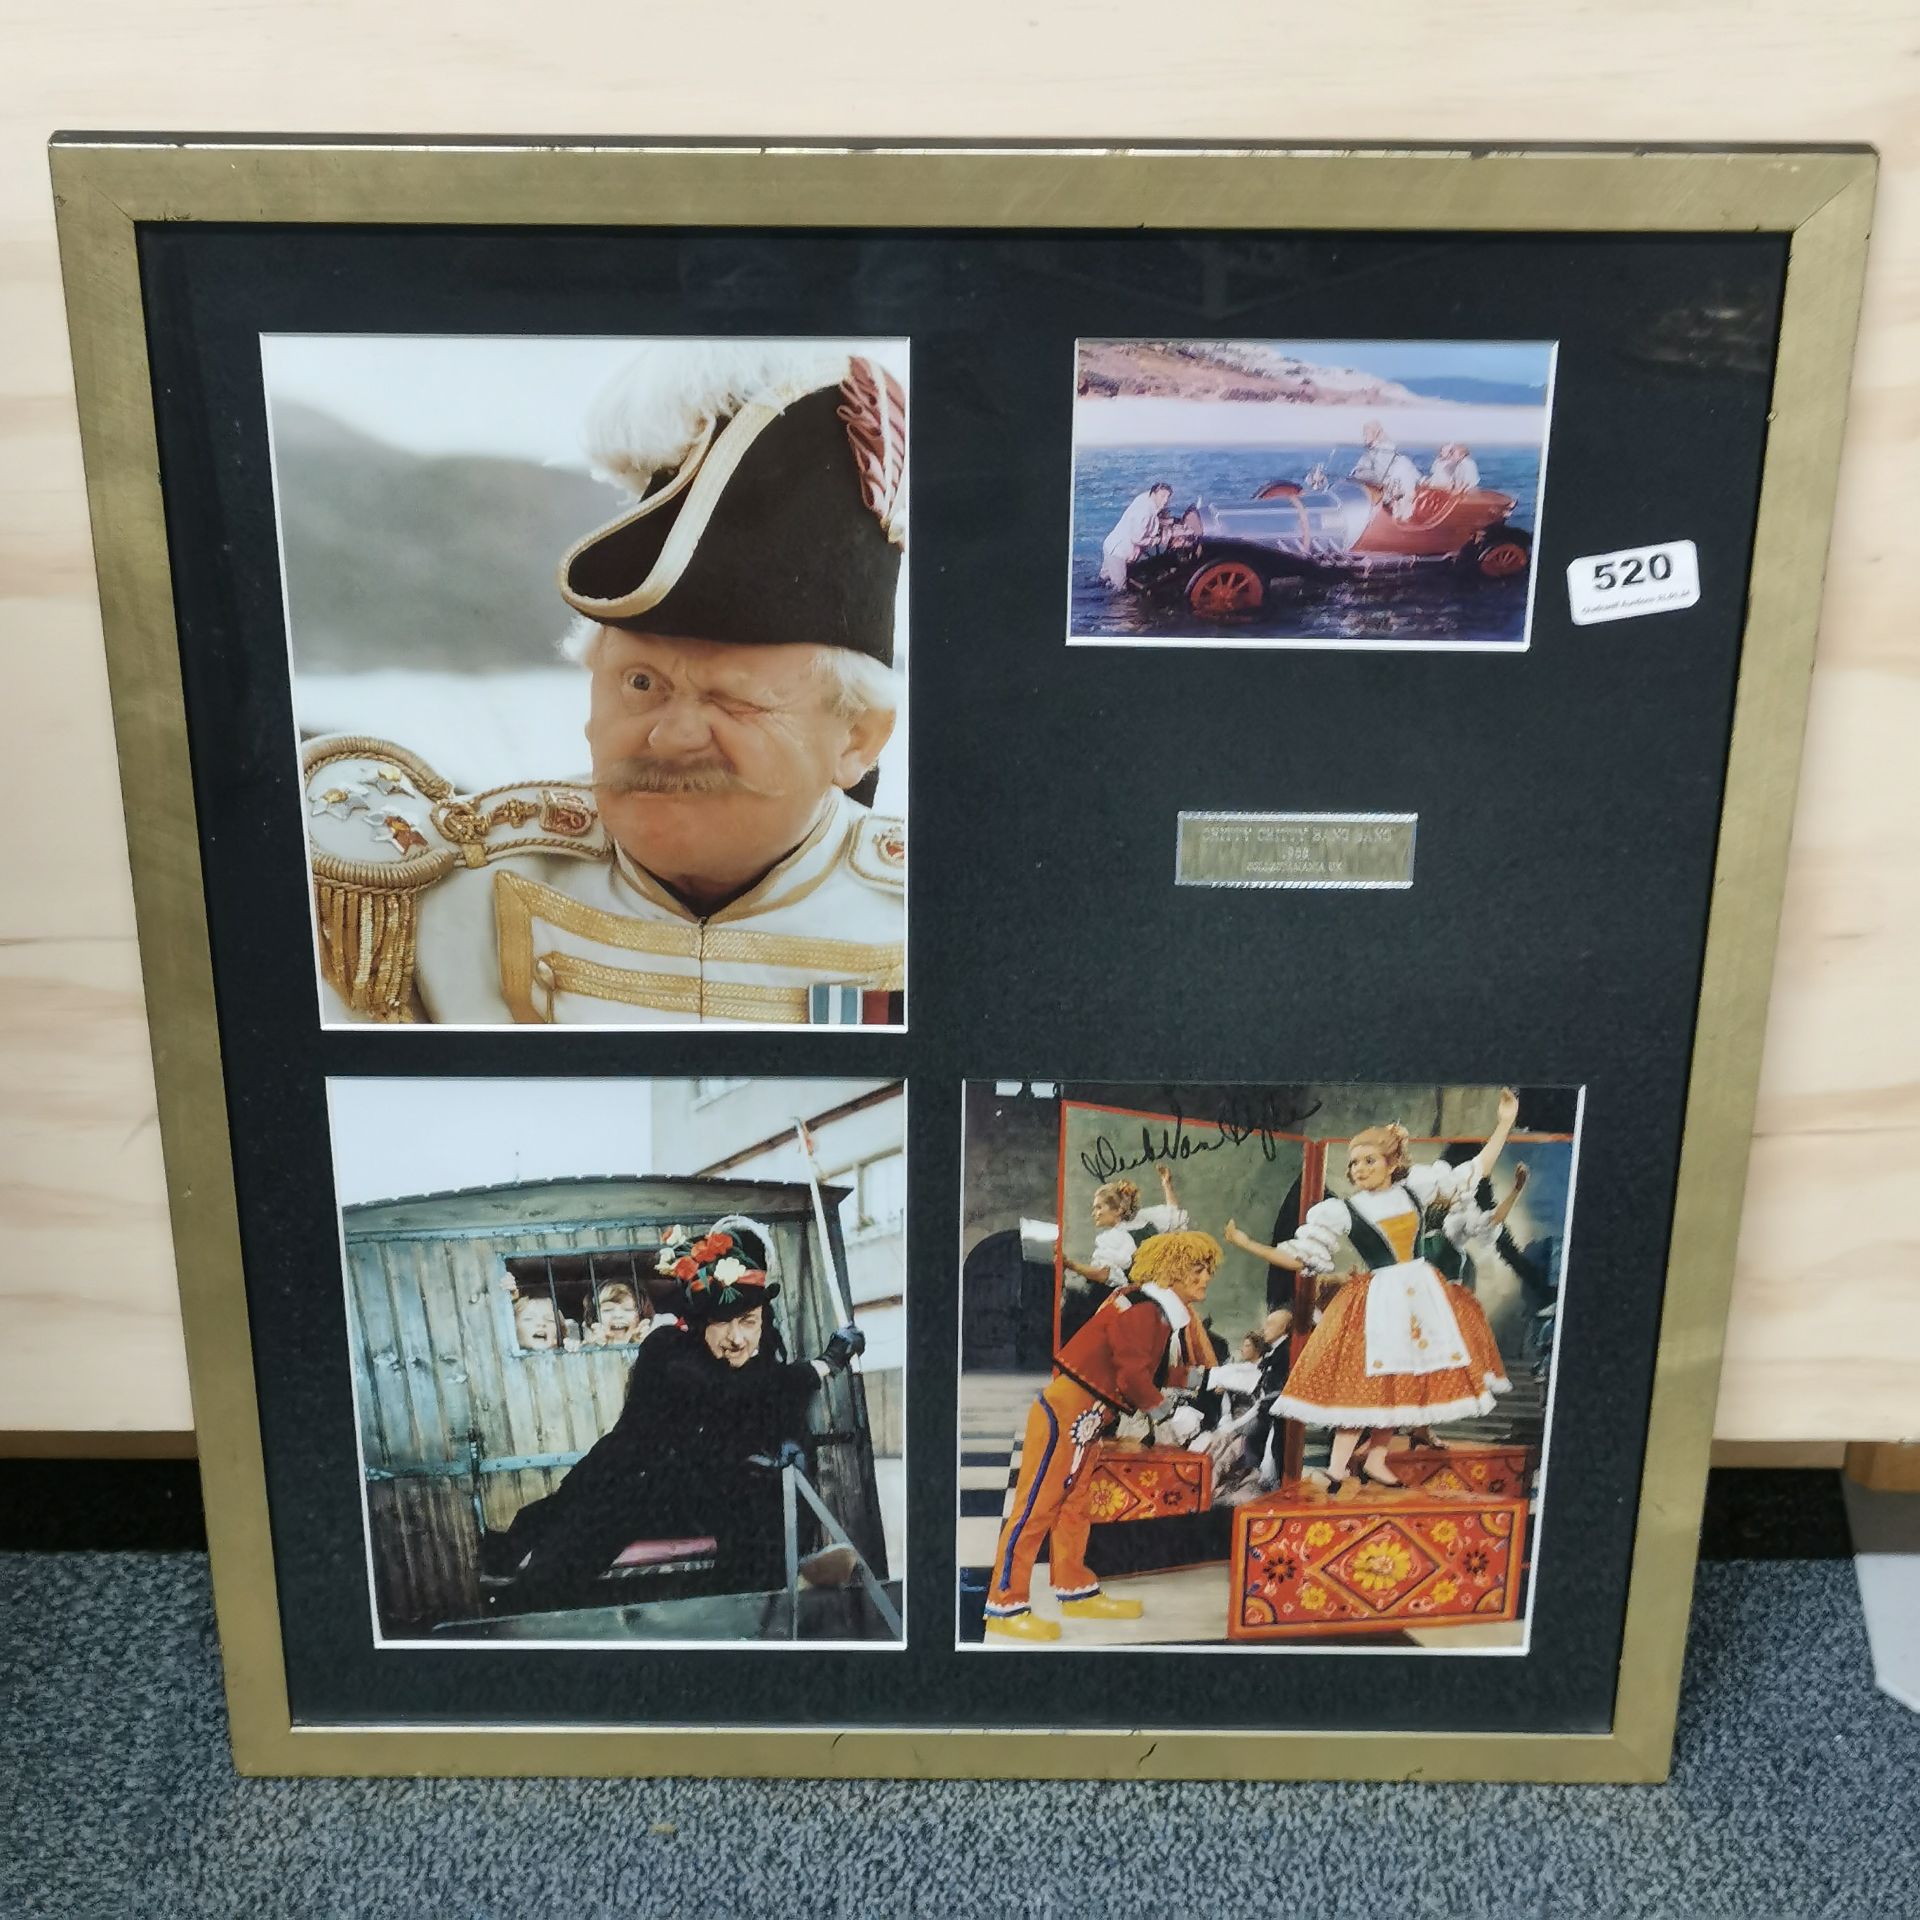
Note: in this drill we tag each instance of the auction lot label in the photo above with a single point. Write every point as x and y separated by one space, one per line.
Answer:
1634 581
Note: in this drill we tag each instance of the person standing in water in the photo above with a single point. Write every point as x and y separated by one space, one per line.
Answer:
1133 534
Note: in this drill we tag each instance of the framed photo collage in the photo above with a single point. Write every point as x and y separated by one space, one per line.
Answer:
956 957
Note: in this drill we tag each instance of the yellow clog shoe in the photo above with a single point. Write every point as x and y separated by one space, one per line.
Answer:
1021 1626
1101 1606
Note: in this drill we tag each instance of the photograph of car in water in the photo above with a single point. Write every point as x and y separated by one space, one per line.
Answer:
1308 493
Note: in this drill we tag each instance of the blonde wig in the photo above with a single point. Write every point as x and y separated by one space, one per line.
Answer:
1389 1141
1172 1251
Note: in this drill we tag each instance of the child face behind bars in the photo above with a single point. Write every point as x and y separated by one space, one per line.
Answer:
535 1324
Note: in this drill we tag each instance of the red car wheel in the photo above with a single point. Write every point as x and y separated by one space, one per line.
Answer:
1502 554
1225 587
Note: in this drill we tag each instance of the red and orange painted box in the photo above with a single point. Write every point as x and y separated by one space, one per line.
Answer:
1384 1561
1469 1473
1132 1482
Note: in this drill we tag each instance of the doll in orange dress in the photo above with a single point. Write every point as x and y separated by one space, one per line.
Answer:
1402 1344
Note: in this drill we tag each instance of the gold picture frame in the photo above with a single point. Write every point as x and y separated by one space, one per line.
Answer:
108 186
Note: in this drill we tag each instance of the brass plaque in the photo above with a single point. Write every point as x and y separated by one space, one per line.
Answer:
1295 850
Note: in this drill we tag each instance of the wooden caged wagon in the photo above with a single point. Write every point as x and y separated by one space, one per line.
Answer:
461 1425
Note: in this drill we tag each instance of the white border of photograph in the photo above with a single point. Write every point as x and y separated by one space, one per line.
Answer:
1291 642
1307 1649
894 351
437 1643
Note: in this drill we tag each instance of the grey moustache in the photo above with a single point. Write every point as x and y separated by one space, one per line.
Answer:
654 776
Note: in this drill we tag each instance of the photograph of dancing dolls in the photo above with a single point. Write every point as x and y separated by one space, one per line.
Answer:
1308 493
1258 1366
628 1358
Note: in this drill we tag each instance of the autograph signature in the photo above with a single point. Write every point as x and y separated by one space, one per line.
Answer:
1160 1141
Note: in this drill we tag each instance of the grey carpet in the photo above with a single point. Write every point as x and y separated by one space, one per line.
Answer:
1794 1794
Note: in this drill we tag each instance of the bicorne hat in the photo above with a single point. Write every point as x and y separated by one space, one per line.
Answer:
772 497
717 1276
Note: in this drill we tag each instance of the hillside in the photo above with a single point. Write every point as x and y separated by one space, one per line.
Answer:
394 559
1226 370
1483 393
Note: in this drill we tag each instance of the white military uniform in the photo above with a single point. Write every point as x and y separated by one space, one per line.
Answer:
513 905
1374 461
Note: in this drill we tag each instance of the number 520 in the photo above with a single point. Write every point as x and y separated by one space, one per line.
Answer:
1608 574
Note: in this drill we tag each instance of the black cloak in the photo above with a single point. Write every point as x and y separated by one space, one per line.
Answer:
675 1465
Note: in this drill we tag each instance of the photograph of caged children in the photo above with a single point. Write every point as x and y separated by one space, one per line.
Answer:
598 654
1258 1366
628 1366
1376 494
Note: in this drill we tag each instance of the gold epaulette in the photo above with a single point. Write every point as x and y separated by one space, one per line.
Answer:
879 851
382 827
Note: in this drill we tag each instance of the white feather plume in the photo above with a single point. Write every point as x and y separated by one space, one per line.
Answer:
651 415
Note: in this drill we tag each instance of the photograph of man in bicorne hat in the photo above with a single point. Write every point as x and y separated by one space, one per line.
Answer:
718 860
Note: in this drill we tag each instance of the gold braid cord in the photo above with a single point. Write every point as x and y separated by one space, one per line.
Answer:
368 937
370 927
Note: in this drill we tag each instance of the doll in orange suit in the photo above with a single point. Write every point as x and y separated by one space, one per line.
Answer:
1141 1342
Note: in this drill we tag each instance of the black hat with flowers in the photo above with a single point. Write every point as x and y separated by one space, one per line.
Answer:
717 1273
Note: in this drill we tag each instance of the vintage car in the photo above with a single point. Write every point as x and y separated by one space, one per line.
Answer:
1221 561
